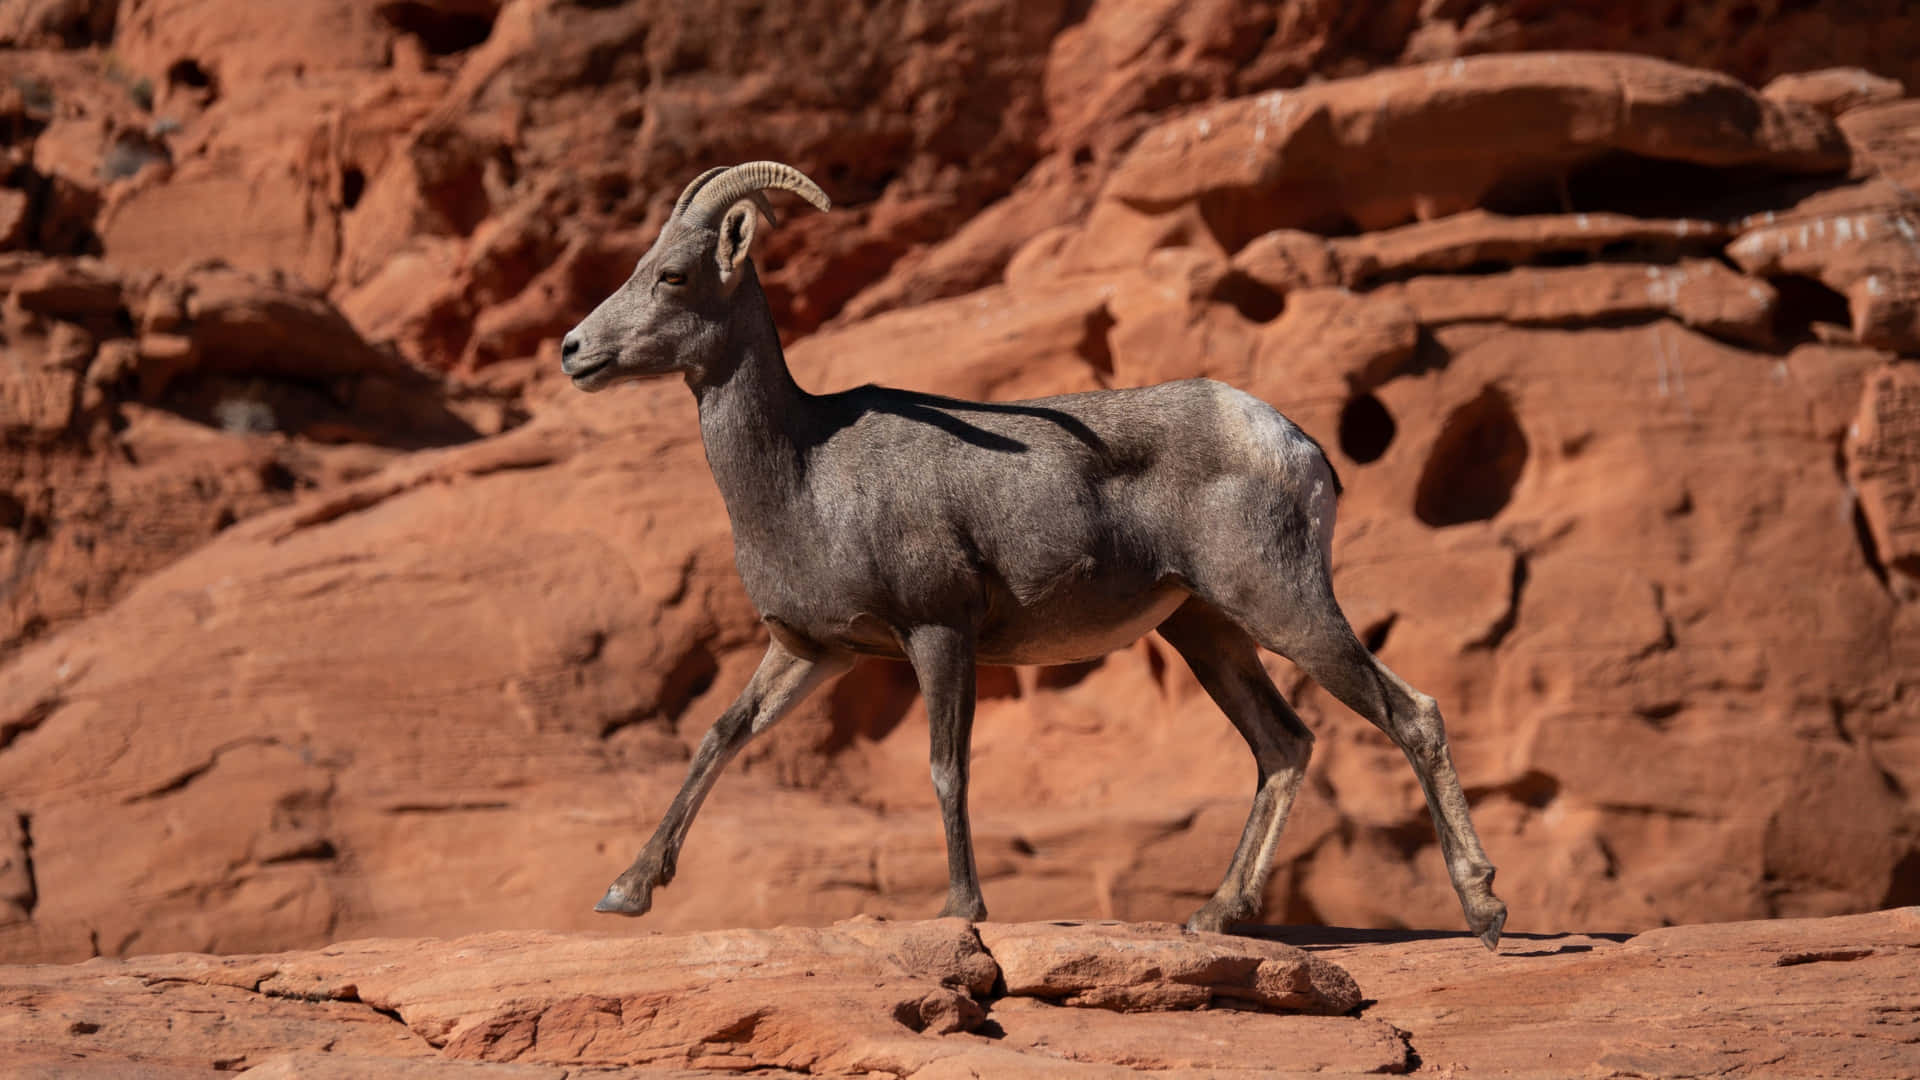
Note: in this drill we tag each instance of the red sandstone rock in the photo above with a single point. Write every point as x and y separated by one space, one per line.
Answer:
1476 238
1382 150
1834 90
63 289
56 22
1787 998
1594 508
13 218
1883 457
1133 968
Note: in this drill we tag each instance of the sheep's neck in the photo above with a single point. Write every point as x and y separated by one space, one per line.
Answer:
752 415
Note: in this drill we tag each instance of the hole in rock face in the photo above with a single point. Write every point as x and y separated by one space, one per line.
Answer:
189 73
1629 183
1475 463
441 32
1250 298
353 184
1804 301
277 477
1366 428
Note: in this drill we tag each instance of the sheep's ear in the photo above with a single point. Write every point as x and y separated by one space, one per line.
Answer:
736 240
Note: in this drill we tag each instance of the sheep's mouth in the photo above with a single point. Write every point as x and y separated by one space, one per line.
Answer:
584 374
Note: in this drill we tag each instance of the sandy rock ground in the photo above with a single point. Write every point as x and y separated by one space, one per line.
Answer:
1798 997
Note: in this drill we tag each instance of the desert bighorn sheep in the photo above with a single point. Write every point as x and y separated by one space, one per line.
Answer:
950 533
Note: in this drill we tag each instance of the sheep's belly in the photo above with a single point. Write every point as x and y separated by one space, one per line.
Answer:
1071 629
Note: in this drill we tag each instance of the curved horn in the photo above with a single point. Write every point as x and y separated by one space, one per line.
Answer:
699 182
745 181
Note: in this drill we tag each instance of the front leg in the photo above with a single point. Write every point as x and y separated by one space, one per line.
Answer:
942 659
782 681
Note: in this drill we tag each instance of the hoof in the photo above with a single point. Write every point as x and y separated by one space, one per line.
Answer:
619 901
1214 918
1489 930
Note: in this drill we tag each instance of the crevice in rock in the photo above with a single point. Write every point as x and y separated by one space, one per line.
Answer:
196 772
1607 856
31 899
32 717
1821 956
1475 463
1862 528
319 849
1869 548
1837 715
460 806
1516 588
1657 713
1374 637
1623 182
1667 639
1156 666
406 411
1409 1064
1552 255
349 994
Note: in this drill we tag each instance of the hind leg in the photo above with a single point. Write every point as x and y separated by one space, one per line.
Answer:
1318 639
1227 663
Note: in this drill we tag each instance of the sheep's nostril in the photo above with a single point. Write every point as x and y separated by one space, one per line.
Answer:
569 345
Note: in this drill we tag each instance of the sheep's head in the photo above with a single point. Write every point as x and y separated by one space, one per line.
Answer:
673 314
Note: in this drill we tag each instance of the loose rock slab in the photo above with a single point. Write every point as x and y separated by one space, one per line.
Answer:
1153 966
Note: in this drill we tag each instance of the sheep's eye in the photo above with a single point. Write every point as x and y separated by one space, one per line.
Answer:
674 277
